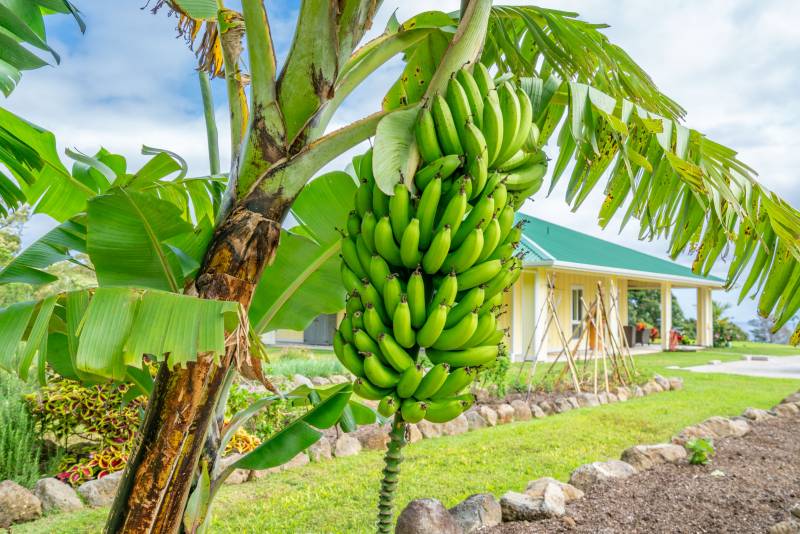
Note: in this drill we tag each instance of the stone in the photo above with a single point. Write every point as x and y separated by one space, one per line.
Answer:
794 397
338 379
17 504
602 397
587 400
238 476
426 516
320 450
537 412
756 414
476 512
547 407
413 434
638 391
587 475
429 430
536 488
715 362
475 420
785 527
662 382
612 398
483 396
456 426
795 510
523 507
651 387
786 410
647 456
713 427
373 437
562 405
675 383
522 412
573 401
301 380
623 394
100 492
488 414
320 381
298 461
505 414
56 496
346 445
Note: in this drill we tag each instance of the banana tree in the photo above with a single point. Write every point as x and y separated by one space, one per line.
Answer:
609 117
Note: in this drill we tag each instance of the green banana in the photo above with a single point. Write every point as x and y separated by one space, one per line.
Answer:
473 93
491 238
446 292
380 202
378 373
495 338
525 121
388 406
349 279
364 389
363 253
378 271
478 169
456 382
515 234
474 142
482 211
416 299
527 176
346 327
347 355
502 251
353 303
425 132
385 244
432 381
432 327
364 343
413 411
479 274
409 245
483 79
501 281
372 322
442 167
471 357
458 103
364 170
399 210
490 303
409 381
453 213
350 257
500 196
492 126
358 322
444 410
363 198
434 257
467 254
401 324
426 211
509 103
370 295
394 354
469 301
455 337
446 130
487 323
353 224
392 291
368 223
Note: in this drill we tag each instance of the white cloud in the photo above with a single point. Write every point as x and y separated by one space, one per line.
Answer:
730 63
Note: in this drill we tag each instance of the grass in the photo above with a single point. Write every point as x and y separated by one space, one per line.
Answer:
340 495
291 361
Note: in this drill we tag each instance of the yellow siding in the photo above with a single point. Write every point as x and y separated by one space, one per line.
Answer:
289 336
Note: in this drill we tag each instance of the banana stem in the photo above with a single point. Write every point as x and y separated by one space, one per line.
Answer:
391 472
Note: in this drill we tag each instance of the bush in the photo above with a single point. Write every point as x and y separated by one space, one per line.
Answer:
701 451
20 446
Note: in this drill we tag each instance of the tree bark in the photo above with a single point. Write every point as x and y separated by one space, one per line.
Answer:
159 473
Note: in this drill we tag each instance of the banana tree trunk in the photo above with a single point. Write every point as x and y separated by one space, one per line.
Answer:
159 474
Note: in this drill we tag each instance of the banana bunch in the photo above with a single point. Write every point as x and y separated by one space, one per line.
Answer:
426 267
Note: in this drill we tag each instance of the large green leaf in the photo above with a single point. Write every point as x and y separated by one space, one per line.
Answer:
303 281
51 248
397 145
197 9
125 237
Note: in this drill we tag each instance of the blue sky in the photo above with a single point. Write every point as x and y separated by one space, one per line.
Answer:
731 63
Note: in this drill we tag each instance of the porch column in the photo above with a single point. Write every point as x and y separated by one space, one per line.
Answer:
540 313
666 314
705 317
516 321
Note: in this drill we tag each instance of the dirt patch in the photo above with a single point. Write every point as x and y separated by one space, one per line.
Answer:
761 482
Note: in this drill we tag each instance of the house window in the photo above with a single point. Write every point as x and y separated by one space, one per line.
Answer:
576 323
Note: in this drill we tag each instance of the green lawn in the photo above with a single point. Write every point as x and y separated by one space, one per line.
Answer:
339 495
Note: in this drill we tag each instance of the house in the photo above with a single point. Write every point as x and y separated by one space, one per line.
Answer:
573 268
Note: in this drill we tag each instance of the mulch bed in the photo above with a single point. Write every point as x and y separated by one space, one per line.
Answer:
761 482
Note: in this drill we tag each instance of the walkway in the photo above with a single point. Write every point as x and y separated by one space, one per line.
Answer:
772 367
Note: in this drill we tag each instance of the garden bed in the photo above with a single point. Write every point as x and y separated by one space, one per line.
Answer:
750 486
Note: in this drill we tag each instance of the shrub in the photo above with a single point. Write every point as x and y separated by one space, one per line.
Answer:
494 378
20 446
262 425
701 451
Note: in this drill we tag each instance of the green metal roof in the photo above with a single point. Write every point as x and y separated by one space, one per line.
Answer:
550 244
